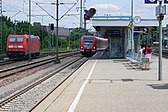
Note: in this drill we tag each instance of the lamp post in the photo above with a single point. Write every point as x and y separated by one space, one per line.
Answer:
69 40
15 29
160 42
81 23
29 50
57 59
57 20
132 29
1 47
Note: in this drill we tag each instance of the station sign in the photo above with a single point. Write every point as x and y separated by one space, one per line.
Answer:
160 10
151 1
154 1
166 1
164 10
113 33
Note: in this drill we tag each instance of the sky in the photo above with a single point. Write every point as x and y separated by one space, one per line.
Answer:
18 10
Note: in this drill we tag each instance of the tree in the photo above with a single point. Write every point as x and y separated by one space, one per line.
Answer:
75 36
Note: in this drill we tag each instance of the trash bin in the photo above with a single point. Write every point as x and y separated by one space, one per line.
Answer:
145 63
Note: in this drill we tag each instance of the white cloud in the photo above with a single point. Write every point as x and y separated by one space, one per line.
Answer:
110 9
145 11
107 7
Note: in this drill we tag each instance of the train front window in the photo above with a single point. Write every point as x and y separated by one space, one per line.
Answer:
19 39
88 39
12 39
16 39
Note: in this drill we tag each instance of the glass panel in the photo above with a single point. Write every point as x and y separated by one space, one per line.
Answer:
19 39
12 39
88 41
117 48
16 39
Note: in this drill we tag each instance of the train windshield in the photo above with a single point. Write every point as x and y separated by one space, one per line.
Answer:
16 39
88 39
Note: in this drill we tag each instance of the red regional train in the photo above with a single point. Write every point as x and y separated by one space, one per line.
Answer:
18 46
90 44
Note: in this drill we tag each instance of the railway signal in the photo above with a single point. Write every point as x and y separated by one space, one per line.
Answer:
88 14
86 17
52 26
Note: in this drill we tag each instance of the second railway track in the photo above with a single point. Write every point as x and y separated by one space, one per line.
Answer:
15 69
28 97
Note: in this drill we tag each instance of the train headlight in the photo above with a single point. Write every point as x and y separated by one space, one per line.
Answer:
94 47
81 47
10 46
20 46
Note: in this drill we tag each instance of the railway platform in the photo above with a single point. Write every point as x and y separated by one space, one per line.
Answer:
110 85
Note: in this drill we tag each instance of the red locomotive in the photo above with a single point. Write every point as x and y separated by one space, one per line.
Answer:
90 44
18 46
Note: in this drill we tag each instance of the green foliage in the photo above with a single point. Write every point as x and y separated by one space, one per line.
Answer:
36 29
75 36
6 30
22 27
13 27
62 42
77 33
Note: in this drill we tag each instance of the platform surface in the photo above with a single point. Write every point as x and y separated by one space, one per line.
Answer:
111 85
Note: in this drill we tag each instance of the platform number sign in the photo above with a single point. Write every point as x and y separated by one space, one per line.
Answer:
166 1
151 1
154 1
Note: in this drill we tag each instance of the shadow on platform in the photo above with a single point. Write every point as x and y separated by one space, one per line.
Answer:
159 86
103 55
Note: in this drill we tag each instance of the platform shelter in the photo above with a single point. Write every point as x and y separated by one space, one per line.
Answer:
118 30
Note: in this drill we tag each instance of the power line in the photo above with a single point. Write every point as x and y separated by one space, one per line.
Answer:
67 11
70 10
11 6
46 11
15 14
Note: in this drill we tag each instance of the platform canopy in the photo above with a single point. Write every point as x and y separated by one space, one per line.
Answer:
111 21
118 21
103 23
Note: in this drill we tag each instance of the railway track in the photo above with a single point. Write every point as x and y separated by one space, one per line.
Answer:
15 69
5 61
164 53
30 96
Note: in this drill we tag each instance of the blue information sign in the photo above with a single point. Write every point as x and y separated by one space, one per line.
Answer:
166 1
114 33
151 1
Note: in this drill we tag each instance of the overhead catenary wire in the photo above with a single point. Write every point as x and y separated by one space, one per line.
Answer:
67 11
15 14
46 11
70 10
13 9
10 8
